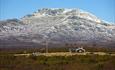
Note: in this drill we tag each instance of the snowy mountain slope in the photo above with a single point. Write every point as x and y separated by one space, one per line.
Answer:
58 26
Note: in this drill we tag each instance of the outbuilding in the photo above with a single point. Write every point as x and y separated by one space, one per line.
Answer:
79 50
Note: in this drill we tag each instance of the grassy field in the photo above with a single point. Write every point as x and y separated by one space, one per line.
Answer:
75 62
92 61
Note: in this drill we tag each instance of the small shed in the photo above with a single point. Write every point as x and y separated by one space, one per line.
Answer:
79 50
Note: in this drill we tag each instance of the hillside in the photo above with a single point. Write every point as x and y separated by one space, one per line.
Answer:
57 26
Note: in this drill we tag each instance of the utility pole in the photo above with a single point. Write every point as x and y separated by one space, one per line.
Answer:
46 46
46 43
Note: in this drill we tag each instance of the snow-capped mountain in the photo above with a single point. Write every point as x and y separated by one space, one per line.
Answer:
58 26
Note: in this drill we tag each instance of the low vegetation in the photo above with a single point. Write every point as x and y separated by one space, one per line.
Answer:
76 62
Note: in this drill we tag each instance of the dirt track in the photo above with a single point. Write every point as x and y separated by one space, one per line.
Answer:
64 54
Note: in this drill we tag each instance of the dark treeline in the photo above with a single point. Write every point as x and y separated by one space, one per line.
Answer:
61 48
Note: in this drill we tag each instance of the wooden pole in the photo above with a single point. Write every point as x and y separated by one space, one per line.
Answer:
46 47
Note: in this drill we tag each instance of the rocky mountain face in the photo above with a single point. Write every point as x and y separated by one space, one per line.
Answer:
57 26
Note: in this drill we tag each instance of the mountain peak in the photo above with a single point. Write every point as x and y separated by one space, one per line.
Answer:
44 12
